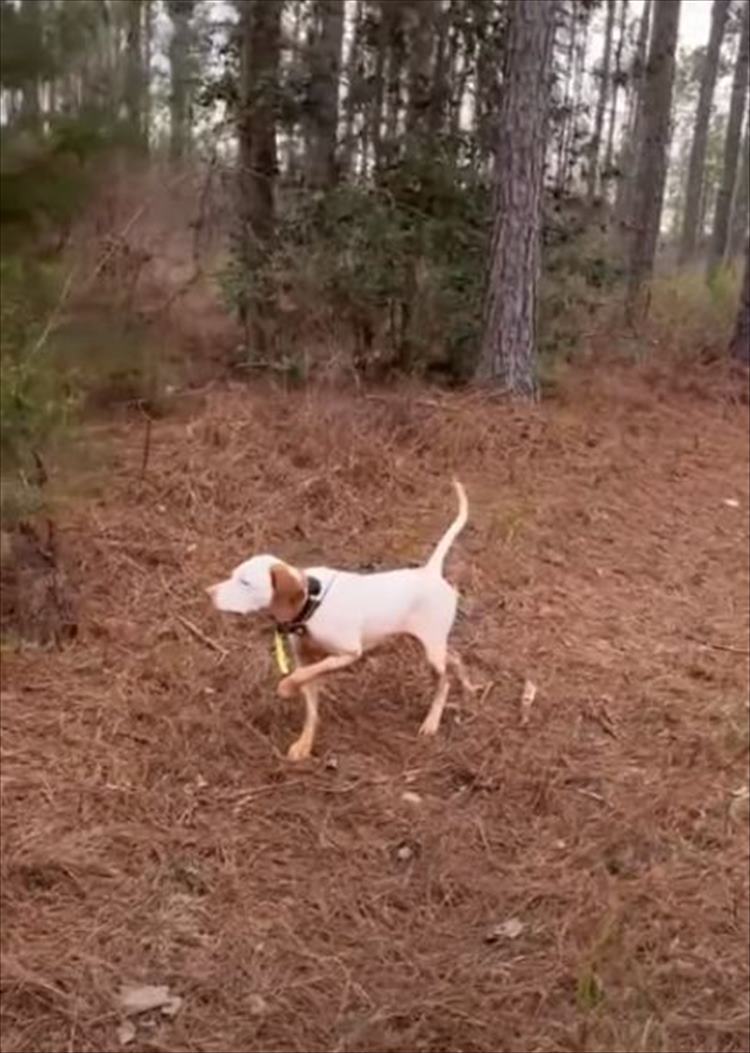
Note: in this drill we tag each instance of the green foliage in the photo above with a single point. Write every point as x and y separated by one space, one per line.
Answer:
399 265
34 406
579 273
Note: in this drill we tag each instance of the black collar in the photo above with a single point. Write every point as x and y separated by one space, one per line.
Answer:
313 600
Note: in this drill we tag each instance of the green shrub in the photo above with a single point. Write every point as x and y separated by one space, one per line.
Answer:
396 269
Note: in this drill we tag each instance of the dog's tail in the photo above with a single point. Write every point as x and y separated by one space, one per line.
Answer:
435 562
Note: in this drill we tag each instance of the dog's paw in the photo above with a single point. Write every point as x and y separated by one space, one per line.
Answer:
429 727
299 750
287 687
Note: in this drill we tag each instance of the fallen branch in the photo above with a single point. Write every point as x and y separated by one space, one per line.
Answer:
200 635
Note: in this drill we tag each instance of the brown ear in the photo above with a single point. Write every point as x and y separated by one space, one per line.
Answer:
288 593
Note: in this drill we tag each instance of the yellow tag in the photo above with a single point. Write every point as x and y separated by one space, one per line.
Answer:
281 656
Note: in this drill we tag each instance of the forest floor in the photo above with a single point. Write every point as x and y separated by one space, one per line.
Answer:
576 881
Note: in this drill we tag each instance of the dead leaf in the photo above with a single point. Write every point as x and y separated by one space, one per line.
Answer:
739 807
257 1005
510 929
527 701
142 999
411 798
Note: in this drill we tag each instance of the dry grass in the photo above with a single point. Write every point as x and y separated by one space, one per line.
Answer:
152 831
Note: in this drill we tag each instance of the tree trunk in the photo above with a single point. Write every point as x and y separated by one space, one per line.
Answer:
378 98
508 350
569 95
720 235
601 105
422 20
260 25
631 136
323 93
134 79
396 63
30 16
181 13
651 169
616 83
487 97
440 91
355 80
691 215
739 231
739 346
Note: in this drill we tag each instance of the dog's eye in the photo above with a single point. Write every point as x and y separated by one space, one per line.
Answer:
244 583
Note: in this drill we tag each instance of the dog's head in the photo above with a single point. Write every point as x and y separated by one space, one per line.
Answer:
259 584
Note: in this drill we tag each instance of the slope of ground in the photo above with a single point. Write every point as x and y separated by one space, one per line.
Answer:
575 883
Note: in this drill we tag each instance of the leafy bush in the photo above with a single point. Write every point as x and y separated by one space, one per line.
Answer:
396 269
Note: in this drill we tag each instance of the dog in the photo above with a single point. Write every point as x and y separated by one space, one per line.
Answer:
333 616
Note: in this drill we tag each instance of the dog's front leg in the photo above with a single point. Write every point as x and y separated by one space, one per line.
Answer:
301 748
304 674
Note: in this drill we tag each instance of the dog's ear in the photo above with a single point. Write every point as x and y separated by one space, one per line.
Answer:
288 592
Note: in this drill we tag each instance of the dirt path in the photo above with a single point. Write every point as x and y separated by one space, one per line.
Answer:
576 884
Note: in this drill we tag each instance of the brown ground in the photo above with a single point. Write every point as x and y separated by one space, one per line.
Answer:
153 832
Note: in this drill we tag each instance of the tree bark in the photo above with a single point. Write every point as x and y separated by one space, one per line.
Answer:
696 164
260 24
323 93
651 169
720 235
601 105
739 346
508 349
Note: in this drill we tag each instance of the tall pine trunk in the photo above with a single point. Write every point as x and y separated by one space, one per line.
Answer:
692 213
628 158
375 123
651 169
508 349
720 234
601 105
323 93
260 25
134 74
422 20
740 213
180 13
354 79
739 347
616 81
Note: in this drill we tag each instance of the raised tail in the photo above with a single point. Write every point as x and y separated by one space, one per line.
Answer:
435 562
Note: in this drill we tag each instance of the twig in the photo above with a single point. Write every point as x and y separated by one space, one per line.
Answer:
720 647
146 442
200 635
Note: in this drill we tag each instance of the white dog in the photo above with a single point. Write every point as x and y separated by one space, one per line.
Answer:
333 616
